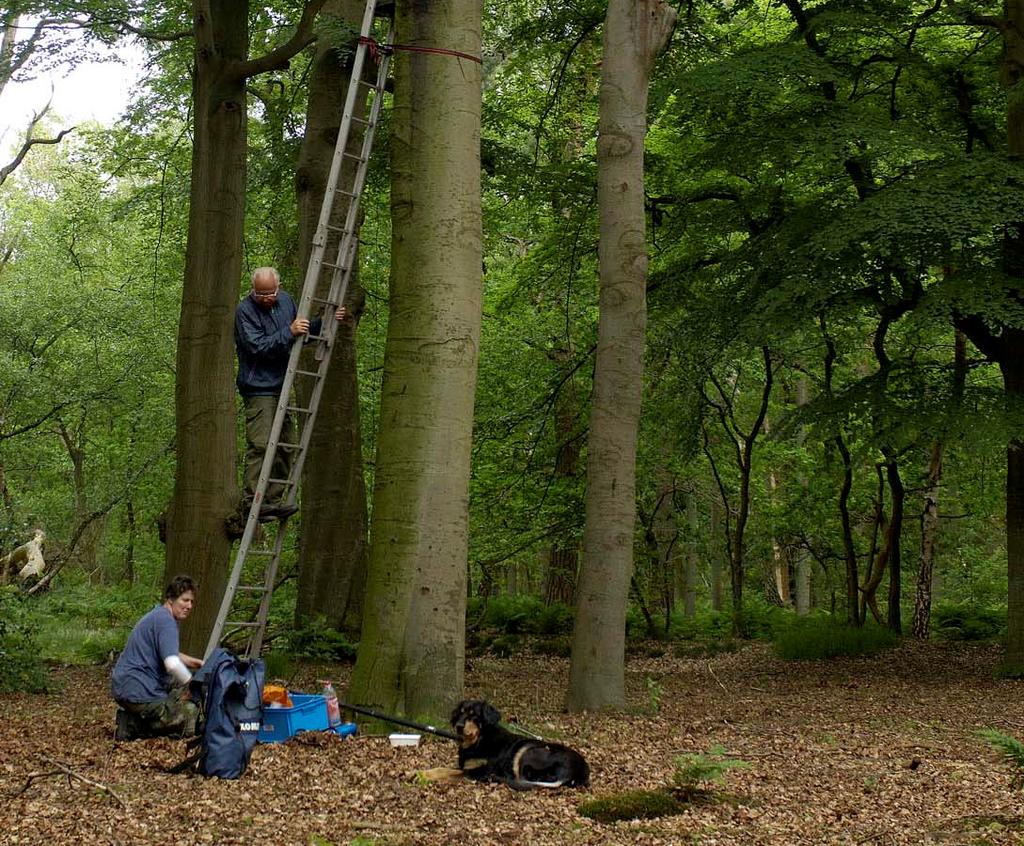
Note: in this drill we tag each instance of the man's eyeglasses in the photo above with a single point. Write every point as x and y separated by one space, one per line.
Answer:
266 295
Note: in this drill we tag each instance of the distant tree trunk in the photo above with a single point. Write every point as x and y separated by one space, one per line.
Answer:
131 530
87 551
635 32
801 557
780 548
332 546
894 615
853 613
666 539
690 560
717 554
563 560
411 656
929 532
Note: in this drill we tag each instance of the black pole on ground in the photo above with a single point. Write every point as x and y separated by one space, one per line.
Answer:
399 721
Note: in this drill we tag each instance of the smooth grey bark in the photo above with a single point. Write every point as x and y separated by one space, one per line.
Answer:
634 34
412 652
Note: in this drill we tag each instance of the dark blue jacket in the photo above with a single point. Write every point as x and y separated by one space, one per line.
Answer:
263 340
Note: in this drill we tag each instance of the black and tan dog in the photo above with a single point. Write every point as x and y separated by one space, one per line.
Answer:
487 752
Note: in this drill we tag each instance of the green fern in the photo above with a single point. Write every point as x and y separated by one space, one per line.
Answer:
1010 749
693 770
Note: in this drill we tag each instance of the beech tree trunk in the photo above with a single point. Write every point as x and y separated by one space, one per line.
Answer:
205 485
332 546
411 657
1012 359
636 31
205 489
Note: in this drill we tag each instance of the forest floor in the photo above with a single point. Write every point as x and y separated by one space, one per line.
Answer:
881 750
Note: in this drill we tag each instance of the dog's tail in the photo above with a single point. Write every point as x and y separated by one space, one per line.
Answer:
529 784
519 784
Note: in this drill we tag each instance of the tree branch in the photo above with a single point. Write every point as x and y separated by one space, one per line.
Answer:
30 142
64 769
279 57
125 28
553 97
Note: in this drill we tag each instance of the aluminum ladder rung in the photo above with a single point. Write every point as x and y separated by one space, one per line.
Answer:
240 624
252 588
281 481
299 409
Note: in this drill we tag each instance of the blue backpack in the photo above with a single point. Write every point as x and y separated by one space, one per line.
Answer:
229 691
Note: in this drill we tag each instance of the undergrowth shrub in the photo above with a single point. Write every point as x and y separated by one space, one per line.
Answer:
315 639
80 622
524 614
696 770
1010 750
812 638
21 666
967 621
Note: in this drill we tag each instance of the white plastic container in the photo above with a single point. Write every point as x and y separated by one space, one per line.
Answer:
404 739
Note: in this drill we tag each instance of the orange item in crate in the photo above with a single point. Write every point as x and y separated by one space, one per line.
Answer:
276 694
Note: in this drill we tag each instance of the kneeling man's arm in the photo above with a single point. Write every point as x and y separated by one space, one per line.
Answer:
177 669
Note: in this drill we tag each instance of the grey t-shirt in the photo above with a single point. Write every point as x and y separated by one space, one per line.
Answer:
139 674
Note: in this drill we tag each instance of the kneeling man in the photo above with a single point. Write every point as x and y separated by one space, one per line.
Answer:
151 675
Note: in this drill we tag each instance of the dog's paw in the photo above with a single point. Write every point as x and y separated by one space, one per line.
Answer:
423 777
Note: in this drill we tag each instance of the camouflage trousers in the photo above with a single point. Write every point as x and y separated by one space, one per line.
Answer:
173 716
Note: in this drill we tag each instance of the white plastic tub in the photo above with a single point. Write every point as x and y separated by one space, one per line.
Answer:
404 739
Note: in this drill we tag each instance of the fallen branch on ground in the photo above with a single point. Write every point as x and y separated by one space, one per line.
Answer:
65 769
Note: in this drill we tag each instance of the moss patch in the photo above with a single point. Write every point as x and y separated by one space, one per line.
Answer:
633 805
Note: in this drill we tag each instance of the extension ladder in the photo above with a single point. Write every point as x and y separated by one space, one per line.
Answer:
341 271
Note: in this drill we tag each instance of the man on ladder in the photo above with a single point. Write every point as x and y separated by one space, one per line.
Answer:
265 327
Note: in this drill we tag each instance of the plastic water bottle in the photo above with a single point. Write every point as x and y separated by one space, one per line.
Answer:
333 710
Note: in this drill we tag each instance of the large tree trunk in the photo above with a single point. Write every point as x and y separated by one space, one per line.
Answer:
205 489
635 32
411 656
205 482
332 547
1012 359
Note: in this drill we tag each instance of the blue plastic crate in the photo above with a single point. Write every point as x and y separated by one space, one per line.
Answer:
308 713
